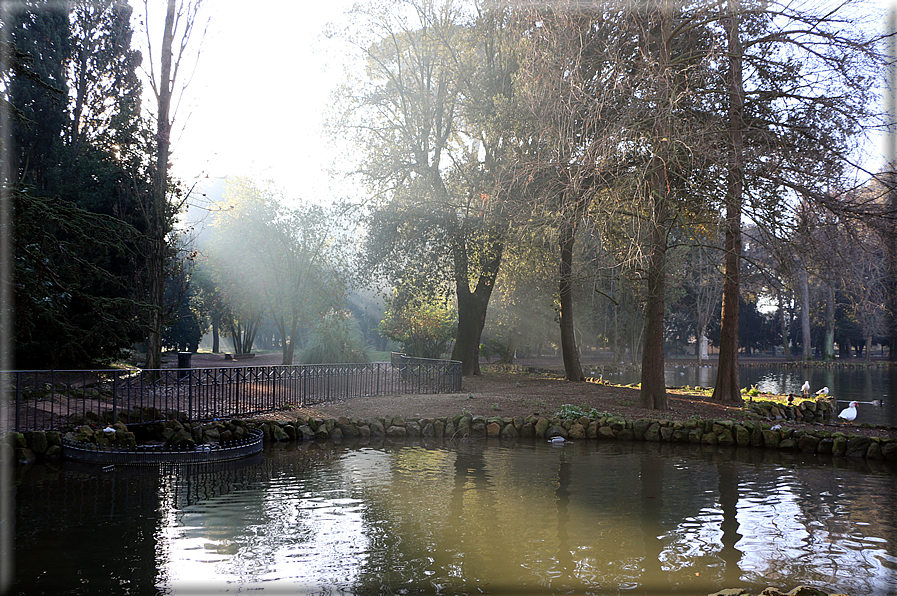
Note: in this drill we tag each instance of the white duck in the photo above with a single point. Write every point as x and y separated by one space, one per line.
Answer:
849 413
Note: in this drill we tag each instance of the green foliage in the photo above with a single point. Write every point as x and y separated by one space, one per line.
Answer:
568 411
185 326
73 306
336 339
271 261
78 164
423 326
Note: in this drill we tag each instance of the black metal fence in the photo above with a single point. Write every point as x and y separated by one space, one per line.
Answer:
42 400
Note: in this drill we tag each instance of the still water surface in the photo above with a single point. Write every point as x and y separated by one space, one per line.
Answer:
470 518
845 384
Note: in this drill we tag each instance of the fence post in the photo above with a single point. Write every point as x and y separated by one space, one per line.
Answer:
18 399
114 396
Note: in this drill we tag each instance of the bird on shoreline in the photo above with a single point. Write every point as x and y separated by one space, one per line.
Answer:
822 392
805 389
849 413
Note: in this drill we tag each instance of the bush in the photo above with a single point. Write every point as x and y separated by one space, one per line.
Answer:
423 327
336 339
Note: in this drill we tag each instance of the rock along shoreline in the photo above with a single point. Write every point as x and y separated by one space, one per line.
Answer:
38 446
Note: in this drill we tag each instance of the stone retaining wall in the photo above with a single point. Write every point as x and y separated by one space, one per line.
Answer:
36 446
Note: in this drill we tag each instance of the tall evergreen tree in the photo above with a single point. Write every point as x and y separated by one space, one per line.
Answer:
76 186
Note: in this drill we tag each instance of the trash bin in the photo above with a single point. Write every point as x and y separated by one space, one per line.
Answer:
184 359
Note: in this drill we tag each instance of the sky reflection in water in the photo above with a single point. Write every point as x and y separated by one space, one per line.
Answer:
584 518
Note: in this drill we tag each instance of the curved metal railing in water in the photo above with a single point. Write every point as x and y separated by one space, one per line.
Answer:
162 454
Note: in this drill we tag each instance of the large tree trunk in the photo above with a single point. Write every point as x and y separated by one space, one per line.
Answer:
653 392
472 305
566 241
828 348
890 241
804 282
727 389
216 339
783 319
700 344
288 346
471 320
158 227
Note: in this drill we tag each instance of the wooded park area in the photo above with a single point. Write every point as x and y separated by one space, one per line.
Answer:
639 177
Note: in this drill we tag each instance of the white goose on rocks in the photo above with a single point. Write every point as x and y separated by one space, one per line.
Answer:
849 413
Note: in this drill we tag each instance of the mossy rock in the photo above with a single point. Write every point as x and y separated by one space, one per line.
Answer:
509 431
577 431
889 451
378 431
857 446
396 433
53 453
181 438
826 446
592 430
641 426
625 434
708 439
450 429
412 429
606 432
839 444
478 427
757 436
279 434
808 443
725 438
616 423
351 430
771 438
37 441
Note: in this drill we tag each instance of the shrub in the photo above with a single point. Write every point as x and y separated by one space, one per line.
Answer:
336 339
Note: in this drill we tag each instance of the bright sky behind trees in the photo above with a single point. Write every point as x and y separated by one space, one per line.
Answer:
257 101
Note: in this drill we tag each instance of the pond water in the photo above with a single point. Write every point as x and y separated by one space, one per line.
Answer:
475 517
845 384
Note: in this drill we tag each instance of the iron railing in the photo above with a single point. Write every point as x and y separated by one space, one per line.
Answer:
43 400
